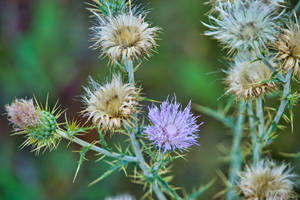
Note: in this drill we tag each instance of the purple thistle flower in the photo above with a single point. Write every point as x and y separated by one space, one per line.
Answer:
172 128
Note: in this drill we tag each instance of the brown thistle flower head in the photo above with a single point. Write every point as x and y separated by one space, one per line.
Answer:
288 48
249 79
22 113
111 105
38 124
266 181
124 36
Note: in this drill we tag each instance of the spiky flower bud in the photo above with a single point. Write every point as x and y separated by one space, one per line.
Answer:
172 128
37 124
111 105
267 181
121 197
249 79
288 48
243 27
125 36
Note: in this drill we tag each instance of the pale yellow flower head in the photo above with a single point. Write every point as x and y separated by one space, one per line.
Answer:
267 181
249 79
125 36
288 48
111 105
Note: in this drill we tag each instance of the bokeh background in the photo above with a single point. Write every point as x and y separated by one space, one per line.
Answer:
44 49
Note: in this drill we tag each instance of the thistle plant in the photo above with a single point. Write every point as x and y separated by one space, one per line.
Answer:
261 40
121 33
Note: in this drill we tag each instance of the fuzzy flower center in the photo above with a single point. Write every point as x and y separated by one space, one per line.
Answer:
127 36
249 31
171 130
113 106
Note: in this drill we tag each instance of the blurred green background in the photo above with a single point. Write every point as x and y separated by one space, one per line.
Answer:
44 48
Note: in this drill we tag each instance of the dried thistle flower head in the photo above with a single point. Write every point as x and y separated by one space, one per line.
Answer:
39 125
249 79
266 181
242 27
111 105
288 48
125 36
22 113
121 197
172 127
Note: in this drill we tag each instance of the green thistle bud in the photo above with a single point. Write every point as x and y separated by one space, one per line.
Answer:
44 134
38 124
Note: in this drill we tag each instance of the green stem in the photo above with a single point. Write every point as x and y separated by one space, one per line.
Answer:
270 66
135 144
297 7
236 154
261 130
252 127
283 104
98 149
130 71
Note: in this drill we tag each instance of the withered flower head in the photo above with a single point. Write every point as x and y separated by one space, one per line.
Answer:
249 79
111 105
266 181
288 48
125 36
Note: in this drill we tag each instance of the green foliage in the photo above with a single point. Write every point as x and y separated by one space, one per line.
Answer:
226 120
201 190
82 154
114 166
109 7
73 128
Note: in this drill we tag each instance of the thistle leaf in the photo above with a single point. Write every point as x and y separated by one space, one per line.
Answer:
102 141
168 188
215 114
106 174
290 155
82 153
201 190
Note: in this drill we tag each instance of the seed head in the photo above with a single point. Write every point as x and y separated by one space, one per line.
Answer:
172 128
249 79
288 48
111 105
243 27
125 36
267 181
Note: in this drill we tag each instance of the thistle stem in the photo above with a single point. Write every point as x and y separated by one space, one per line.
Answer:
270 66
98 149
297 7
236 155
252 128
135 144
261 130
283 104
